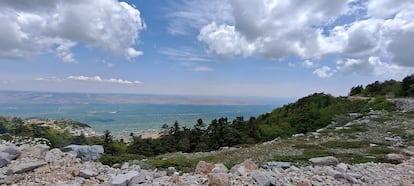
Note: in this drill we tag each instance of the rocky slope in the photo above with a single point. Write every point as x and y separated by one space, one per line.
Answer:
377 136
39 165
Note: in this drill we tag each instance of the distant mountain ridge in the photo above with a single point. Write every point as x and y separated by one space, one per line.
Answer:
27 97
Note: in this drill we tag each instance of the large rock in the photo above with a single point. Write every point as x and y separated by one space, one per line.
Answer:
219 168
263 178
144 177
219 179
27 166
87 173
203 167
244 168
8 153
87 152
395 158
37 152
123 179
324 161
277 164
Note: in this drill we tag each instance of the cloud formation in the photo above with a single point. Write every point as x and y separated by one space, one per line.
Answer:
97 79
375 35
30 28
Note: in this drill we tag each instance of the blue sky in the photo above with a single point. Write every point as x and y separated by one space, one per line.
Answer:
263 48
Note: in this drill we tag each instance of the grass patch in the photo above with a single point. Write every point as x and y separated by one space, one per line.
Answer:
354 128
180 163
379 150
307 146
346 144
352 158
304 157
108 159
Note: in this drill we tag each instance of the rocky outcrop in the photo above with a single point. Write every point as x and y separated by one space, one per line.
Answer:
87 152
31 166
324 161
25 167
203 167
7 153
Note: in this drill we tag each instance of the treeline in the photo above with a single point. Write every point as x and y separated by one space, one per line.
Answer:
15 126
307 114
389 88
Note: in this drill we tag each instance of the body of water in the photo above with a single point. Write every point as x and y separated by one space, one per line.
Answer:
121 117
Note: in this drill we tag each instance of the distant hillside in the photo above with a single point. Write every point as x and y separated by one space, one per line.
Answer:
23 97
389 88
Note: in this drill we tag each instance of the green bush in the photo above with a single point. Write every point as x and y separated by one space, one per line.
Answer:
180 163
346 144
108 159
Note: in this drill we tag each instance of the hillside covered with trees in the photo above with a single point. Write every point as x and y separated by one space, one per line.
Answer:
389 88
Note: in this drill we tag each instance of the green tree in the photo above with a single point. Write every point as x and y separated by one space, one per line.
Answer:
356 90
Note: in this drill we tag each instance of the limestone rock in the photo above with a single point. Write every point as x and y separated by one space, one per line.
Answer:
123 179
244 168
397 158
38 151
278 164
87 173
263 178
27 166
11 179
220 168
8 153
87 152
144 177
219 179
324 161
342 167
203 167
171 171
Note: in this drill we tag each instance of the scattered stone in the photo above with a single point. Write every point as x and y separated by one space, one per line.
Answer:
397 139
171 171
203 167
298 135
324 161
87 173
38 151
342 167
11 179
342 128
320 130
8 153
219 179
263 178
220 168
87 152
244 168
396 158
125 166
27 166
123 179
373 145
277 164
409 151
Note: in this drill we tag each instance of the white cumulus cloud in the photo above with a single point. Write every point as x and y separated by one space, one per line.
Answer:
99 79
377 35
324 72
30 28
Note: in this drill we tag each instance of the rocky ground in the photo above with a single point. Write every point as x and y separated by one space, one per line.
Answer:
39 165
371 137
